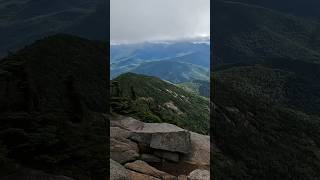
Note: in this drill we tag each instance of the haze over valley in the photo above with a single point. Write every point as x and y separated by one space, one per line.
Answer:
173 61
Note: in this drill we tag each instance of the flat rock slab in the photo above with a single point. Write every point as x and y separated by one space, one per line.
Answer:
178 141
159 135
200 150
144 168
138 126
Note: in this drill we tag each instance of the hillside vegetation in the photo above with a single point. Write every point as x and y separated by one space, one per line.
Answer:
198 87
154 100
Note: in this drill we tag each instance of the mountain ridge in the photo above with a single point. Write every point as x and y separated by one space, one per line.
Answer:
154 100
173 71
184 60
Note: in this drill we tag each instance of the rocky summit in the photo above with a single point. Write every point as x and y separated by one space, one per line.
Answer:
156 151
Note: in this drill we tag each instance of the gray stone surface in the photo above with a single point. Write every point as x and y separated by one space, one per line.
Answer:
182 177
131 123
142 138
119 132
139 176
149 158
144 168
178 141
200 150
123 150
159 135
117 171
199 174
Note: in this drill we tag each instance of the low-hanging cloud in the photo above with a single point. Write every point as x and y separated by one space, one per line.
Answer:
147 20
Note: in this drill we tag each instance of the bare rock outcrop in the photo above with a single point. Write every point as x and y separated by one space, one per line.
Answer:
199 174
118 172
162 136
122 149
182 177
144 168
175 141
119 132
139 176
200 150
160 145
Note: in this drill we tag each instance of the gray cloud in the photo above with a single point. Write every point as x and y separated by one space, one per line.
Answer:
147 20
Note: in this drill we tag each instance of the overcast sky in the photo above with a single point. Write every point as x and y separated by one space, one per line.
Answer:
148 20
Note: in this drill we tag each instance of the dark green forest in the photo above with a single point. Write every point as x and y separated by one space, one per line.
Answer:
54 96
265 92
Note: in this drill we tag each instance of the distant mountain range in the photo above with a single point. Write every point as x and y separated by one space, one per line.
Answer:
173 71
174 61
